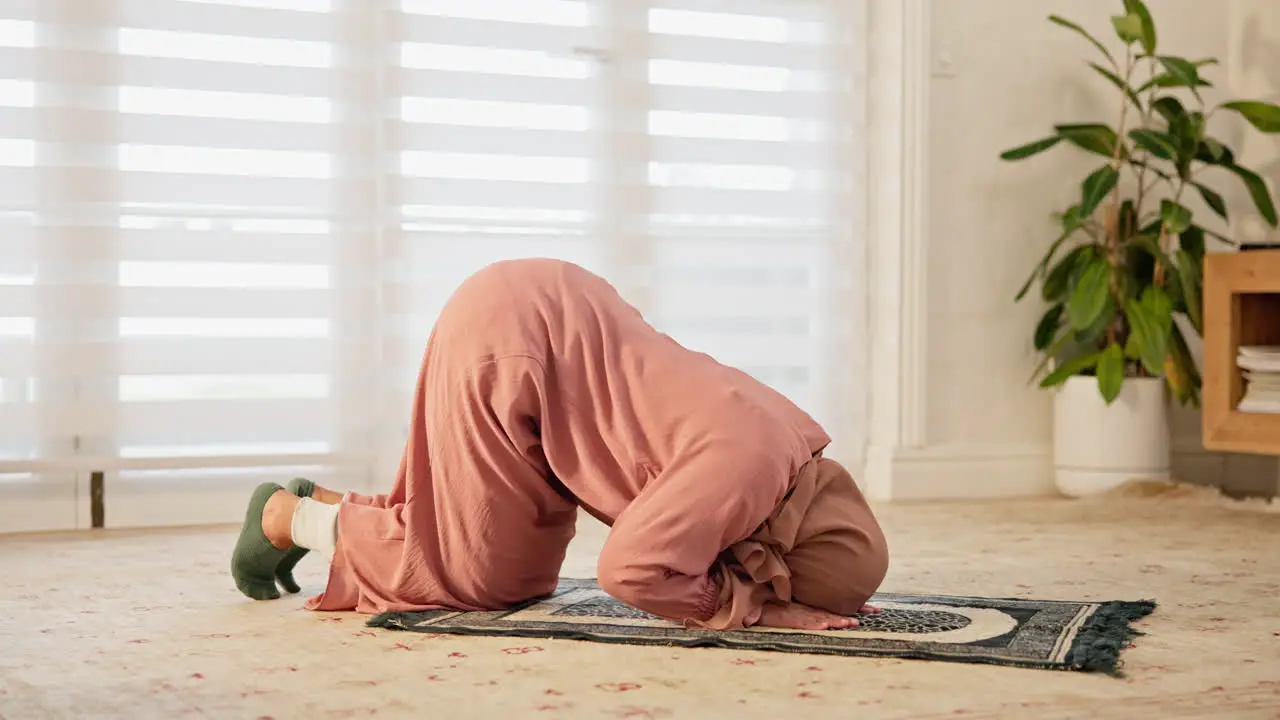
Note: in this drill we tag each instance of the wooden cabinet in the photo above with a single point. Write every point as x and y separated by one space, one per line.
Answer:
1241 307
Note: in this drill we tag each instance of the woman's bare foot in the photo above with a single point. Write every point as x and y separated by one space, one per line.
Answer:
277 519
794 616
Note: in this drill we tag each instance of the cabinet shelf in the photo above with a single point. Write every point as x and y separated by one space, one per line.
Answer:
1241 307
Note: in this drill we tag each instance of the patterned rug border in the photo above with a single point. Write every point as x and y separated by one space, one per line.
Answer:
1095 644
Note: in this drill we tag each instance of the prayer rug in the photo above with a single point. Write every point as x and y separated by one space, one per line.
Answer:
1044 634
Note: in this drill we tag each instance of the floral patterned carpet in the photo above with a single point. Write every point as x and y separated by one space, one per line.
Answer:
147 624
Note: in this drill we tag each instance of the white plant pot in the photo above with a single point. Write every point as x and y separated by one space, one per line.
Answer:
1097 447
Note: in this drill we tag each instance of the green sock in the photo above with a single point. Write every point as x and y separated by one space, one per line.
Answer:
284 571
255 559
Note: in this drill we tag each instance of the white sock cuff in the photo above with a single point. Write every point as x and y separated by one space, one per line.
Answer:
315 526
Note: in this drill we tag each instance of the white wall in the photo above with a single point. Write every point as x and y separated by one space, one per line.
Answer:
999 74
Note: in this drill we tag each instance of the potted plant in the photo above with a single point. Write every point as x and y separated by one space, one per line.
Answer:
1122 280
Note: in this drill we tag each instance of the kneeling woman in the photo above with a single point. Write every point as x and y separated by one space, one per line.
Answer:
541 392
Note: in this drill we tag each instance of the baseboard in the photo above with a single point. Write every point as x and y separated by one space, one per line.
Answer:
1191 463
40 504
973 472
1236 474
960 472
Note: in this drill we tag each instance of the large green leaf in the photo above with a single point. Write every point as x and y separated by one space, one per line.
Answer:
1213 200
1213 152
1048 326
1120 84
1194 128
1131 349
1157 303
1148 26
1093 335
1096 187
1128 27
1192 241
1169 107
1070 368
1094 137
1071 224
1145 331
1071 219
1089 296
1111 372
1189 281
1183 377
1258 191
1262 115
1056 19
1140 329
1034 148
1185 73
1058 281
1175 217
1162 145
1187 132
1170 80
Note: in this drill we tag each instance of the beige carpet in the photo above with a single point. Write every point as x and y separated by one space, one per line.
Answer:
147 625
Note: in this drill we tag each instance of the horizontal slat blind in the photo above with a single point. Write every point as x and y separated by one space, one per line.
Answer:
180 182
751 191
32 497
228 187
495 145
227 226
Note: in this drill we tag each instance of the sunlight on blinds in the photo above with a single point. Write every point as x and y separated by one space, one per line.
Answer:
18 438
227 226
744 125
495 141
30 497
223 355
226 160
18 418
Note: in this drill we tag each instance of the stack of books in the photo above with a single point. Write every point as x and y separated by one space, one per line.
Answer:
1261 369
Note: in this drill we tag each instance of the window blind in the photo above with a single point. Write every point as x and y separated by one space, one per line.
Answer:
702 155
183 193
493 142
229 198
753 175
228 225
33 495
